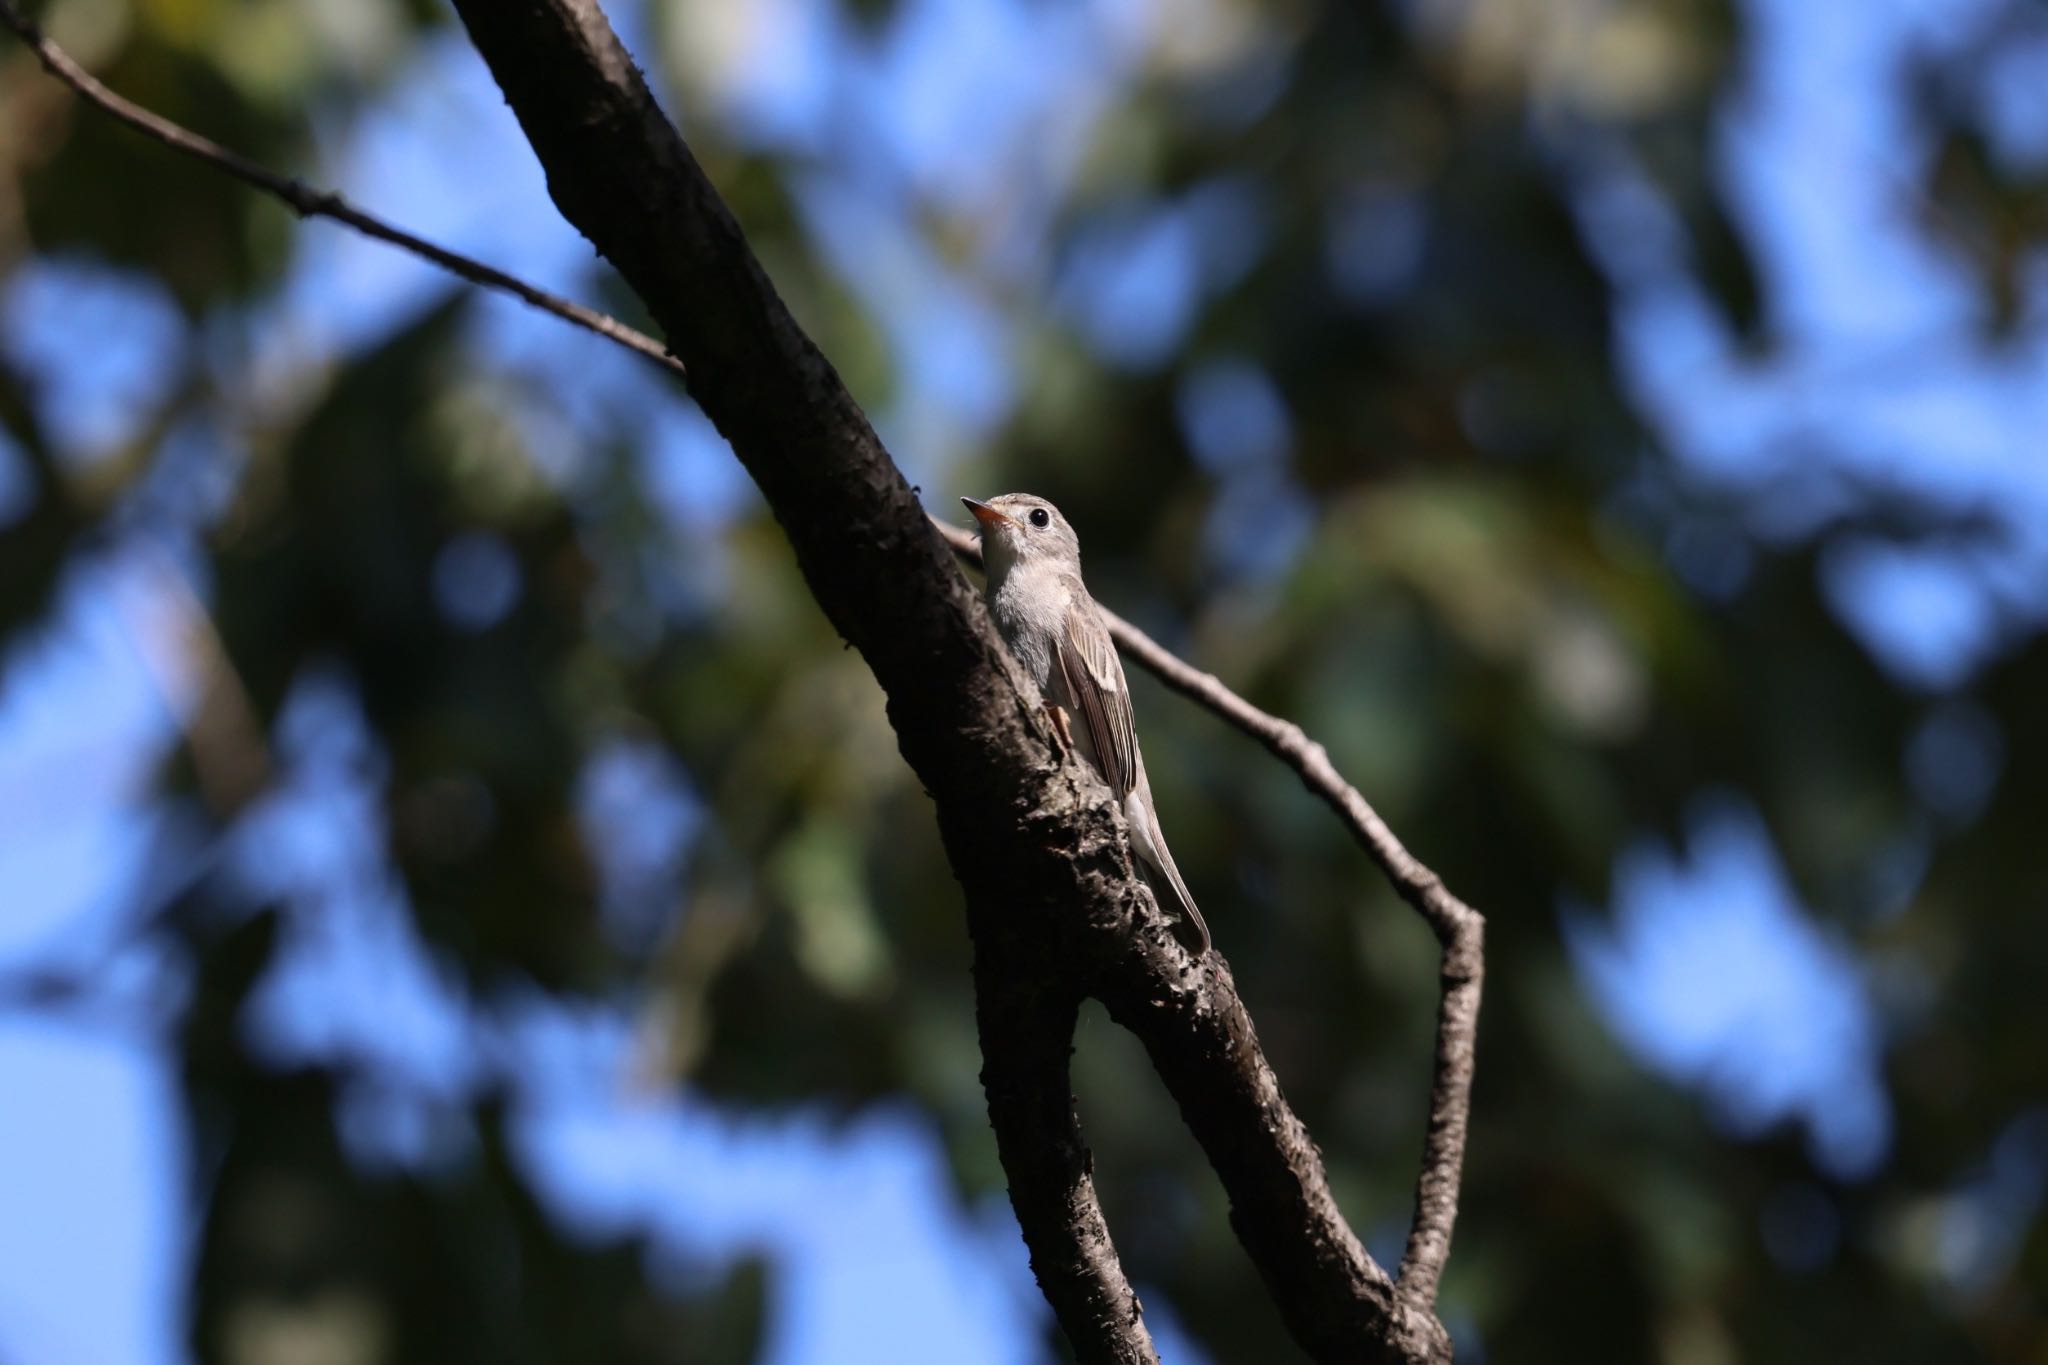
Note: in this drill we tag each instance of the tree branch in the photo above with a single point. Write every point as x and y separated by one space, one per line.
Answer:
1053 909
1039 850
1459 929
308 202
1026 1024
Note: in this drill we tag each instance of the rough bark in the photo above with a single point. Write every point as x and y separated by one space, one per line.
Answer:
1027 1030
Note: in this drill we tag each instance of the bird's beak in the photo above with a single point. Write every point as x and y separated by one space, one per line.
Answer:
986 515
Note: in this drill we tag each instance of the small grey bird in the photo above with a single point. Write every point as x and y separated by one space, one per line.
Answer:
1045 615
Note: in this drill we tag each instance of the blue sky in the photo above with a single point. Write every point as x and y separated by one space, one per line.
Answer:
989 105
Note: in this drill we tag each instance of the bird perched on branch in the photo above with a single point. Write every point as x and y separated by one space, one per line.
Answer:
1045 615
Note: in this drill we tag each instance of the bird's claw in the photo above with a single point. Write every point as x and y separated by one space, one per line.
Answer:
1063 736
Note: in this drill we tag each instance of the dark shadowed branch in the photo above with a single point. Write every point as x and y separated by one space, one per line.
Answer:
1053 909
1026 1024
1042 855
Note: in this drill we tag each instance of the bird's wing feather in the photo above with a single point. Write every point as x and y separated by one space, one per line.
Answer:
1095 680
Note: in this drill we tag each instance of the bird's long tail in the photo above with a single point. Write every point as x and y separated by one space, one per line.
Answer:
1159 860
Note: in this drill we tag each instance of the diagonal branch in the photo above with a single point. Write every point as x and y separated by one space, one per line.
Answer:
1459 929
308 202
1033 848
1041 853
1026 1026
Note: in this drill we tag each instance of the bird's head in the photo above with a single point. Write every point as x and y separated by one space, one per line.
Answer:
1020 528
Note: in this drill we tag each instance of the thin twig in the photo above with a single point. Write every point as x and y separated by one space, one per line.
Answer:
1458 927
310 202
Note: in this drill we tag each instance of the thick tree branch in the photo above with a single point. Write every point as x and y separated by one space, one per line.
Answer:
1037 848
308 202
1458 927
1026 1023
1053 909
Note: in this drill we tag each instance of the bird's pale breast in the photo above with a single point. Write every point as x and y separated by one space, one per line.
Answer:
1029 605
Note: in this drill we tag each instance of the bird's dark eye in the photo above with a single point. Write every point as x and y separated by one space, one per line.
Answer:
1040 517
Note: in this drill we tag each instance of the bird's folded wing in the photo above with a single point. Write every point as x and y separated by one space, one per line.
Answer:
1095 680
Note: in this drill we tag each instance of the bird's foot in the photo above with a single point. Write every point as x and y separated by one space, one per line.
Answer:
1060 732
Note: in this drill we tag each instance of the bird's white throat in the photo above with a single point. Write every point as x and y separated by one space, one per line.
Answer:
998 557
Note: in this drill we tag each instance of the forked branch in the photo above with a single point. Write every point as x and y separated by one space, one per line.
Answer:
1458 927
